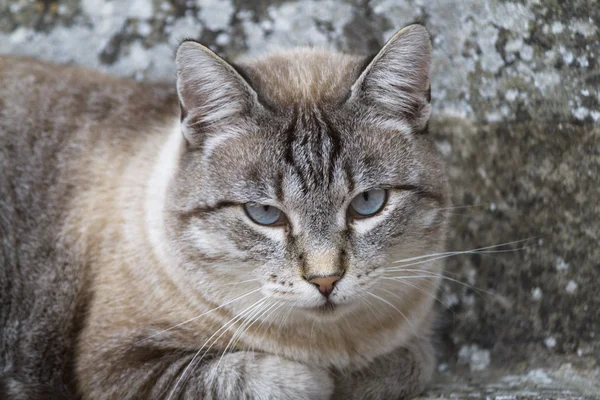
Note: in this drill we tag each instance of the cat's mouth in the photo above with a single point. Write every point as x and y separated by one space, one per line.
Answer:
326 308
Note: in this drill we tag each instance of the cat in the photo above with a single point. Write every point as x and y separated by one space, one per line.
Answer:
233 237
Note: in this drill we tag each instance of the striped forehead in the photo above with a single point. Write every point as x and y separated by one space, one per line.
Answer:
312 149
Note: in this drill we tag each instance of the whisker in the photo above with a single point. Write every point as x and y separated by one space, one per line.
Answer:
227 324
268 316
199 316
372 308
401 313
265 315
348 324
183 373
460 207
450 254
312 327
455 214
280 304
284 320
242 328
422 290
428 260
280 314
255 310
467 251
238 283
436 275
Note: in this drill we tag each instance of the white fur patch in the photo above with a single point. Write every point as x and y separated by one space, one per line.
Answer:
156 192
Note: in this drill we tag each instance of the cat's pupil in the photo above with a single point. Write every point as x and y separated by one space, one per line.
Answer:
266 208
366 196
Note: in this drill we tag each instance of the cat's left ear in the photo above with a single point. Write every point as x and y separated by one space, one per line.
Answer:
397 82
213 95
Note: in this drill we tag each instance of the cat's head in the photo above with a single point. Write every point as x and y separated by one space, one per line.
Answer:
305 173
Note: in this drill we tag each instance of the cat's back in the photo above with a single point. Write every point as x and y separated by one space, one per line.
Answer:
42 96
52 118
47 110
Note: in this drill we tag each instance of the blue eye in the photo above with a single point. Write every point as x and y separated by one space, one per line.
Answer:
265 215
368 203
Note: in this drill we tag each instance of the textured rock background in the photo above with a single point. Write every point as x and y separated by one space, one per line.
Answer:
516 99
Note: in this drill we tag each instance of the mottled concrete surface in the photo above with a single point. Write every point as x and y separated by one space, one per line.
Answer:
516 99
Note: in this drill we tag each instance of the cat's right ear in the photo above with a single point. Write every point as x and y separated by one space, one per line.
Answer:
397 83
211 92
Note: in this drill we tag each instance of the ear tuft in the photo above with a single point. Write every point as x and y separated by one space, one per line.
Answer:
397 81
211 92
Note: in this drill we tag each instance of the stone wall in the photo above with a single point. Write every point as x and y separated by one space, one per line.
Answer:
516 99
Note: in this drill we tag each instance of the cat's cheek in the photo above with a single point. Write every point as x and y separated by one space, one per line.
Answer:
211 244
364 226
348 289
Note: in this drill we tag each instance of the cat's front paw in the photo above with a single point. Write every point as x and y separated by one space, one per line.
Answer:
262 377
295 380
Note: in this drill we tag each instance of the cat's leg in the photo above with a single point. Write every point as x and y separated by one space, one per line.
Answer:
260 376
401 374
239 375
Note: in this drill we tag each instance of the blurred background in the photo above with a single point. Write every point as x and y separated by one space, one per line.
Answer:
516 93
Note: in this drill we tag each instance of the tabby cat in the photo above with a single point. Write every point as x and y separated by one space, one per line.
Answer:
235 238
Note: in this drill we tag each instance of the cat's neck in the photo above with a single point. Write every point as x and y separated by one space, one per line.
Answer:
135 277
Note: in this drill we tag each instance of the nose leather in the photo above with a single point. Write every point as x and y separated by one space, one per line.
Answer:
325 283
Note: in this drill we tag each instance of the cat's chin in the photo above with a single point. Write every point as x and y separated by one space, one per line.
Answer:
328 309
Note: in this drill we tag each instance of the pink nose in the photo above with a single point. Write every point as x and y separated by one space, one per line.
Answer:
325 283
